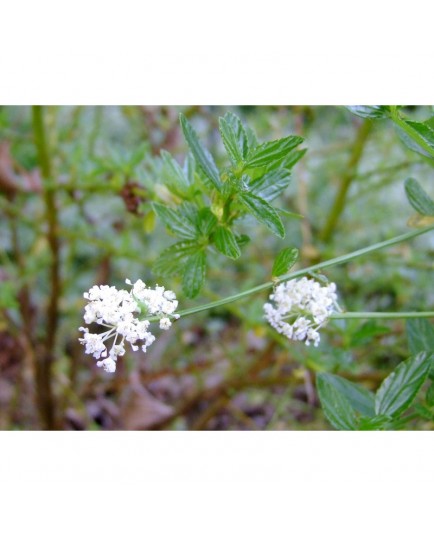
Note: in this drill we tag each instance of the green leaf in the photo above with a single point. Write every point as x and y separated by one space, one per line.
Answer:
202 156
374 423
399 389
366 332
370 112
420 335
272 151
263 212
234 137
418 198
429 396
189 168
173 173
176 222
284 261
194 274
226 243
359 397
335 405
271 185
173 258
206 221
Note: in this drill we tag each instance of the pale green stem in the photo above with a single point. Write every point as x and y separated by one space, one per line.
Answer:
326 264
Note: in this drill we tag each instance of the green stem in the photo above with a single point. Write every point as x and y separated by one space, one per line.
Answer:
346 180
403 314
326 264
44 368
413 134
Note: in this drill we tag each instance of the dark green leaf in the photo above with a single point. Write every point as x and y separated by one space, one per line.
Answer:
176 222
194 274
420 335
284 261
173 258
226 243
418 198
173 173
399 389
370 112
272 151
366 332
359 397
206 221
263 212
271 185
374 423
335 405
242 240
234 137
201 155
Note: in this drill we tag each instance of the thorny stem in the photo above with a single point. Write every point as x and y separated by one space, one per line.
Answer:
44 368
326 264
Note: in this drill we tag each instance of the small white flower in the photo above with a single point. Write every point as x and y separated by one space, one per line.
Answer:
301 307
118 310
165 323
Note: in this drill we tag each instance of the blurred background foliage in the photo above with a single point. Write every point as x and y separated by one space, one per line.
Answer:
76 211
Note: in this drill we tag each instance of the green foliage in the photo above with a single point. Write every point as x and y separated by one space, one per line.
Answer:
351 407
207 204
418 198
284 261
370 112
399 389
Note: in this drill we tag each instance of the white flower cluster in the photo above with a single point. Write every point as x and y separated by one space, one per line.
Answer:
118 311
302 307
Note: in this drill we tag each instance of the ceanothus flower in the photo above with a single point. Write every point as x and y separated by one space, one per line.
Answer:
301 307
119 311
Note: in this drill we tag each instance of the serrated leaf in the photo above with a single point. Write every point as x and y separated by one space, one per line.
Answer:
284 261
202 156
234 137
173 173
173 258
206 221
399 389
226 243
175 221
359 397
194 274
271 185
420 335
263 212
272 151
418 198
370 112
335 405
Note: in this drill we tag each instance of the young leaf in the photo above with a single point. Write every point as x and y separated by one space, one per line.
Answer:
336 407
206 221
420 335
174 174
234 137
201 155
173 258
284 261
359 397
271 185
370 112
399 389
374 423
263 212
226 243
179 225
194 274
418 198
189 168
272 151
